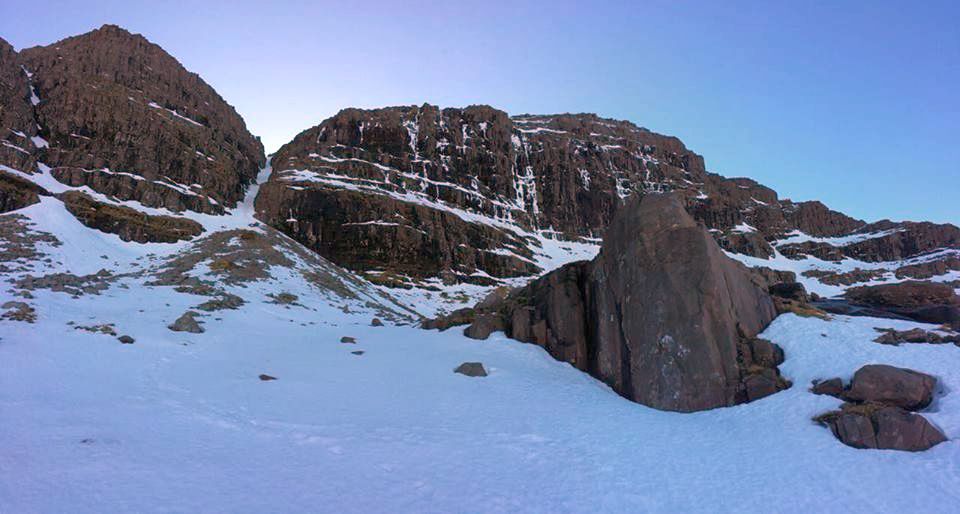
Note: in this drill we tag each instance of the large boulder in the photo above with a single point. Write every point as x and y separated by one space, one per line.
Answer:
662 315
890 385
878 426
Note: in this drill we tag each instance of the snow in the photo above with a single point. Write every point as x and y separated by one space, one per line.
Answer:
780 262
797 236
154 105
39 142
180 422
14 147
743 228
540 130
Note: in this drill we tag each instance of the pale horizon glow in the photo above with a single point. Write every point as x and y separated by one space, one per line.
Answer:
850 104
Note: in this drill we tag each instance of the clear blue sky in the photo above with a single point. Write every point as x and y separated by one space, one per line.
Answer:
856 104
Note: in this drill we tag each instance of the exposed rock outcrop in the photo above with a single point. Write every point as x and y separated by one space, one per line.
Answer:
406 193
928 302
661 315
17 192
18 126
118 114
129 224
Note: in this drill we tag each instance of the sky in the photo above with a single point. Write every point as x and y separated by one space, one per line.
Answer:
855 104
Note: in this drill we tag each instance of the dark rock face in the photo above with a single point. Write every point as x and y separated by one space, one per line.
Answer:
424 191
371 232
928 302
129 224
120 115
686 343
17 192
18 126
903 295
930 269
889 385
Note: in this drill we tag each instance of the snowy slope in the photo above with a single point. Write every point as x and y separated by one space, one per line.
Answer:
179 422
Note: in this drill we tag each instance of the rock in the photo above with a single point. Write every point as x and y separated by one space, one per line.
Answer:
914 335
443 322
267 378
790 291
375 322
878 426
494 299
186 323
17 193
19 311
759 386
483 326
764 353
283 298
846 278
888 337
927 302
19 125
130 224
358 352
898 429
831 387
684 344
910 294
471 369
224 301
484 162
889 385
125 339
121 116
928 269
348 340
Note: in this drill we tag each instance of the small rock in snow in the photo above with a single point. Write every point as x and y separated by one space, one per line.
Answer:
125 339
357 352
471 369
348 340
267 378
831 387
186 323
376 323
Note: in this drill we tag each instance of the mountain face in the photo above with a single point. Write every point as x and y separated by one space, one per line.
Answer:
115 114
408 193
